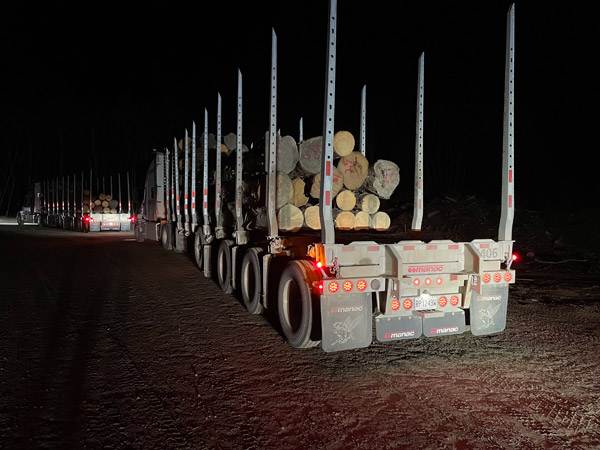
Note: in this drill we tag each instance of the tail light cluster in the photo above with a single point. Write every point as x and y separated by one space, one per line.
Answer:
342 286
428 281
497 277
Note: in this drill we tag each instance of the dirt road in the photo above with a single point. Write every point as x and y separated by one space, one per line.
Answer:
108 343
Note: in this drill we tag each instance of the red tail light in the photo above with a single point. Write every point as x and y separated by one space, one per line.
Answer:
347 286
438 280
454 300
486 277
507 276
320 287
361 285
515 256
319 264
417 282
427 281
333 286
395 305
132 218
443 301
497 277
407 303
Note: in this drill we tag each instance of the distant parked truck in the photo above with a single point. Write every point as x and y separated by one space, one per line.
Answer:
71 203
31 211
327 292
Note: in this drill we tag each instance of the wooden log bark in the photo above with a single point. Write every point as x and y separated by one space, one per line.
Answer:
355 169
362 220
383 178
380 221
369 203
312 217
337 183
344 220
287 154
343 143
299 198
310 155
290 218
345 200
285 189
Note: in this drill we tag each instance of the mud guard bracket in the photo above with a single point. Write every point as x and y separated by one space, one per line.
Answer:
346 321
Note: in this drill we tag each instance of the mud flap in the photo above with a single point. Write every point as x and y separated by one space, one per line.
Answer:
437 323
346 321
488 310
395 328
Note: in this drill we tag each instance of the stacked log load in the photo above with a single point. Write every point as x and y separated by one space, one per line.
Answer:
100 203
357 185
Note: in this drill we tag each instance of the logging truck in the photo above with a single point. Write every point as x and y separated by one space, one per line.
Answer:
67 203
31 211
328 287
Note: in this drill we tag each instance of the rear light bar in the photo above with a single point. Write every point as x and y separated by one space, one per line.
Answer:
503 276
355 285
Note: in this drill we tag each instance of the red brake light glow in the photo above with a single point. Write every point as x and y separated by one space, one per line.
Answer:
417 282
507 276
486 277
438 280
443 301
333 286
407 303
515 256
497 277
427 281
454 300
319 264
347 286
395 305
361 285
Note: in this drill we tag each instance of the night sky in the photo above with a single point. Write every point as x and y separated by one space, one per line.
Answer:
102 86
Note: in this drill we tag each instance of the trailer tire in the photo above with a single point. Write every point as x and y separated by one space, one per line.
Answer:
224 266
297 305
166 236
199 251
251 281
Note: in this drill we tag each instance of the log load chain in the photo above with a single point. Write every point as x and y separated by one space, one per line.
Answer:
357 185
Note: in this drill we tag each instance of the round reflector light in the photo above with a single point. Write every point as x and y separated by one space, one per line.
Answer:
395 304
427 281
486 277
454 300
507 276
497 277
407 303
438 280
361 285
442 301
333 286
375 284
347 286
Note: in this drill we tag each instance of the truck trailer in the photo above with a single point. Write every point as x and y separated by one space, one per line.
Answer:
70 203
329 289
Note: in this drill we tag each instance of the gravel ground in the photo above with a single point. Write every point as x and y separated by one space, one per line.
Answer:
111 344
